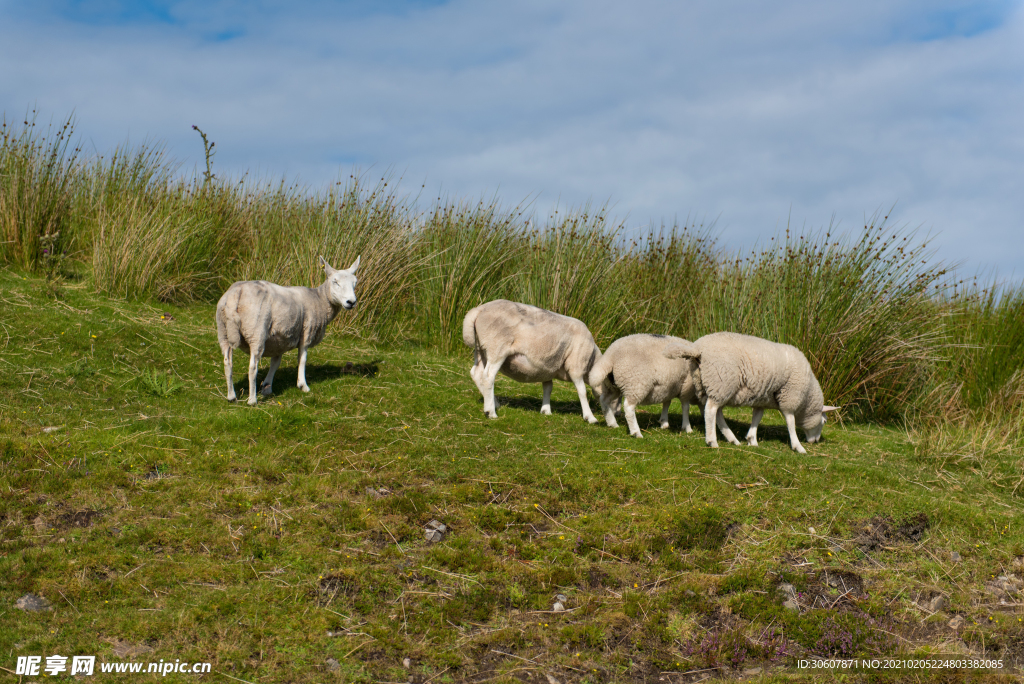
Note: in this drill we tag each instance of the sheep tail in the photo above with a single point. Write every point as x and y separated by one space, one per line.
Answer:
469 327
682 350
600 371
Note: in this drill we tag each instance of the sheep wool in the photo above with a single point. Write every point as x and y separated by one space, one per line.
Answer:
263 318
528 344
636 371
730 369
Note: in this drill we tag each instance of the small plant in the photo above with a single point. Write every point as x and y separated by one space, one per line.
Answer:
158 384
52 256
732 647
208 175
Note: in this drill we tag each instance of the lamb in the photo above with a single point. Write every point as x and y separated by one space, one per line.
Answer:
529 344
267 319
635 369
729 369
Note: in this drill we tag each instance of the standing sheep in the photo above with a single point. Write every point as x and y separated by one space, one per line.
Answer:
636 369
729 369
528 344
267 319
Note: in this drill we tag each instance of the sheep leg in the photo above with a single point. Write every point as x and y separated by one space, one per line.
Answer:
488 374
581 389
686 417
664 414
794 441
268 382
724 427
755 420
302 368
710 413
608 406
630 411
545 404
227 371
254 364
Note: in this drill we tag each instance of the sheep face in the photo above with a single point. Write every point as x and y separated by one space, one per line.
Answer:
341 284
813 425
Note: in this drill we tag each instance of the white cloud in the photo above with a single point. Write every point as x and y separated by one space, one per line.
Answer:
748 112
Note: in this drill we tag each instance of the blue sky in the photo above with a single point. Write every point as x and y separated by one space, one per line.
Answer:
744 113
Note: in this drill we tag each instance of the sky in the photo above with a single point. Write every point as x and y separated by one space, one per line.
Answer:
750 116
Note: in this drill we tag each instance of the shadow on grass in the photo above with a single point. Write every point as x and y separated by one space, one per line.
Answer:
533 404
287 376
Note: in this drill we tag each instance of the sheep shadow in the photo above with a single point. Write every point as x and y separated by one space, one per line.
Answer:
287 376
649 419
533 404
765 432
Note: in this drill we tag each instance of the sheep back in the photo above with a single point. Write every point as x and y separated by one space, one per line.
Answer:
257 312
537 345
638 367
742 370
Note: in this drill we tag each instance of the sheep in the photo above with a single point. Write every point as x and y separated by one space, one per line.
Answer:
528 344
635 369
729 369
267 319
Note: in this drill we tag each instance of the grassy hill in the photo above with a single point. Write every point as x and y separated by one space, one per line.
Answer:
286 542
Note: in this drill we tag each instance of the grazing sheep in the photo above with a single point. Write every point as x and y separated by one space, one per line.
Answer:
528 344
729 369
267 319
635 369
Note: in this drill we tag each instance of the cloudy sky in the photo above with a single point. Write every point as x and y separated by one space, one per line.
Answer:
749 114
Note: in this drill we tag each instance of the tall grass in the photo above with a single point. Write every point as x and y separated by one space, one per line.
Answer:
37 174
885 330
860 310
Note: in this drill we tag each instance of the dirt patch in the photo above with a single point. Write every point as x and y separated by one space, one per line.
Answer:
83 518
329 587
843 581
831 589
596 579
882 532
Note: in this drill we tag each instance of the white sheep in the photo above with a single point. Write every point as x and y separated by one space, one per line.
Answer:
729 369
636 370
267 319
528 344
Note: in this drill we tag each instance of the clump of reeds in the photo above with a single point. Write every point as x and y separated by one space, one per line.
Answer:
37 172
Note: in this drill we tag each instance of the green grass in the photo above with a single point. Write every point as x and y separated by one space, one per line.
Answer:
267 540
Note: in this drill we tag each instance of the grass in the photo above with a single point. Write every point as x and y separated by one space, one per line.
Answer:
285 542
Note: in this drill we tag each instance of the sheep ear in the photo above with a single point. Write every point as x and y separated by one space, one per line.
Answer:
826 409
354 266
327 267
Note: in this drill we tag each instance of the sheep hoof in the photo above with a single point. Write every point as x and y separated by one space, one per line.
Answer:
751 441
636 434
688 429
304 388
612 423
664 426
799 449
232 398
590 419
266 391
713 445
252 400
545 410
491 415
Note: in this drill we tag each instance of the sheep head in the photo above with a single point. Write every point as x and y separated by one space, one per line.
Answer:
341 284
